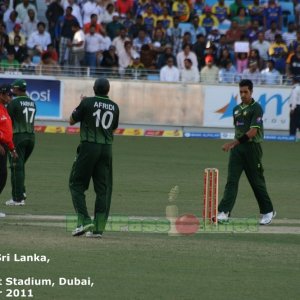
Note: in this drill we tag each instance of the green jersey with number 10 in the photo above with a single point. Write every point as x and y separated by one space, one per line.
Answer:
98 117
22 111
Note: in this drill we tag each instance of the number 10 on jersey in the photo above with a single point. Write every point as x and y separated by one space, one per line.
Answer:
105 119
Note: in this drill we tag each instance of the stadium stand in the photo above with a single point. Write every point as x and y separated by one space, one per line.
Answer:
149 53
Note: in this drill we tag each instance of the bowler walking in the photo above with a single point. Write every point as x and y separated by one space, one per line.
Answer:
246 155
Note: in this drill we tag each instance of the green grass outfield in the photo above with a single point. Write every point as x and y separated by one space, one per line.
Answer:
140 265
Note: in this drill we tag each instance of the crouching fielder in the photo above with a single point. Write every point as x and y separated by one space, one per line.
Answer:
98 117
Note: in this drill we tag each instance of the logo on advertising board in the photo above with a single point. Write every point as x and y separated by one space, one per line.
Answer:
274 102
226 110
46 94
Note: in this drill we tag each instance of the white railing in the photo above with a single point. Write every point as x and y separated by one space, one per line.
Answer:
133 74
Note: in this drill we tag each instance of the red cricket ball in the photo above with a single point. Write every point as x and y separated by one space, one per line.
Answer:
187 224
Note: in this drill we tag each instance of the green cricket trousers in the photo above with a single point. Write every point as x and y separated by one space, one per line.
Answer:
92 161
246 157
24 144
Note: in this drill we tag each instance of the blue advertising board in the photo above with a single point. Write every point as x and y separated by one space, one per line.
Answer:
219 102
46 93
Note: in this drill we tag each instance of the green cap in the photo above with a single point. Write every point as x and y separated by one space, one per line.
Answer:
20 84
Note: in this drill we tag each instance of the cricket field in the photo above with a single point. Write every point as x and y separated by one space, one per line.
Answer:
138 258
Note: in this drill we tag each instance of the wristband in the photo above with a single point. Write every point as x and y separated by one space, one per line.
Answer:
243 139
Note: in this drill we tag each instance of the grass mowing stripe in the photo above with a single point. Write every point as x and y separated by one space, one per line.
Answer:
140 224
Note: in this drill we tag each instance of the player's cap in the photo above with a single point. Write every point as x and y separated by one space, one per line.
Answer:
19 84
5 89
115 14
215 28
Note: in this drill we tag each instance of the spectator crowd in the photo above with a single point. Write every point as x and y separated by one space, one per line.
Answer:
181 40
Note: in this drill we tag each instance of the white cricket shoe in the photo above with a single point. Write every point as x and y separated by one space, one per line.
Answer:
80 230
90 234
222 217
267 218
2 215
11 202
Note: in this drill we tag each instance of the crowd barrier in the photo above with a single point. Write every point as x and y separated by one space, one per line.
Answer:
156 103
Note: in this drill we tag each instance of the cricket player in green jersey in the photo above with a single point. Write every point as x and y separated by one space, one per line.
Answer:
98 117
246 155
22 111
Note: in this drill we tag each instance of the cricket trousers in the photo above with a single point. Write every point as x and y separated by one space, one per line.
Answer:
246 157
3 168
24 144
92 161
295 120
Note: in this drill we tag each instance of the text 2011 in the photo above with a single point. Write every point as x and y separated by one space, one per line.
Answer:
16 293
